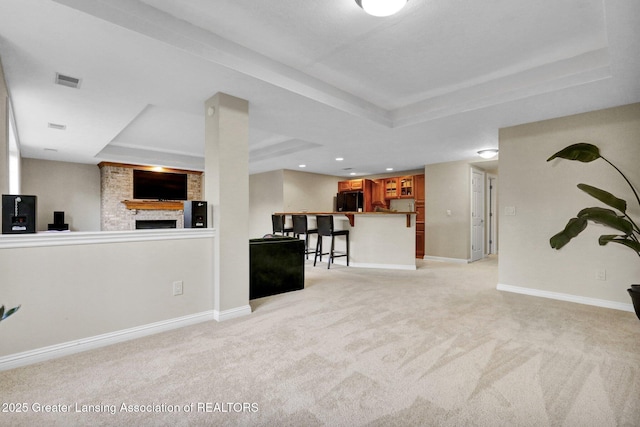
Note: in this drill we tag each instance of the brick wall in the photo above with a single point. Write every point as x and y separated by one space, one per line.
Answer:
116 185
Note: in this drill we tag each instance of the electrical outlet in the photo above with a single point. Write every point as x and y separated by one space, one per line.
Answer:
601 274
177 288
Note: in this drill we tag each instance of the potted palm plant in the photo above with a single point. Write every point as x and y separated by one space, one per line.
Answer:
618 219
4 315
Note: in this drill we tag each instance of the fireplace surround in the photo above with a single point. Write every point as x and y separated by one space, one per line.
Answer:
116 187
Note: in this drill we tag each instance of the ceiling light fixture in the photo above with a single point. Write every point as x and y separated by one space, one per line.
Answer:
489 153
339 159
381 7
302 166
389 169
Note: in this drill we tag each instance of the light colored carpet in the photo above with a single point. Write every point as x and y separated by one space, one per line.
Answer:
434 347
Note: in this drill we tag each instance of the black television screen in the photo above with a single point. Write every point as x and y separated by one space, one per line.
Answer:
159 185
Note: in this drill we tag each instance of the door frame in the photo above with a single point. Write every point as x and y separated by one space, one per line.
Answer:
492 204
483 175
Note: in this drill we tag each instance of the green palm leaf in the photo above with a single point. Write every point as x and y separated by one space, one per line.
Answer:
581 151
605 197
613 238
607 217
574 227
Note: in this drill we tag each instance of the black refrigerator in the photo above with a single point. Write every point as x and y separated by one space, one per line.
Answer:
350 201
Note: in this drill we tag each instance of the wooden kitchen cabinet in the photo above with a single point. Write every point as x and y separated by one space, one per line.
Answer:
420 241
399 188
391 188
405 190
351 185
418 184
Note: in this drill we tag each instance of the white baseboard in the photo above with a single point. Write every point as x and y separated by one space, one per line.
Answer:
385 266
71 347
343 262
221 316
566 297
443 259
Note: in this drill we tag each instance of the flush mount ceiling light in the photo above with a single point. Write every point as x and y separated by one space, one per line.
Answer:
381 7
488 154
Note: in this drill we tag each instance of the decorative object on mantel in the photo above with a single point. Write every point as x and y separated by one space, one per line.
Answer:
4 315
628 230
58 222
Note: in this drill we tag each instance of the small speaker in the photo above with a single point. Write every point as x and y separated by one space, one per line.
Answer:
58 222
195 214
18 214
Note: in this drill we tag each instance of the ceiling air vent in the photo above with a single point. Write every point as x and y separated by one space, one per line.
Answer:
56 126
67 81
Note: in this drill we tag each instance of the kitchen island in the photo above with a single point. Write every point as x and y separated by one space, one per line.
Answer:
377 239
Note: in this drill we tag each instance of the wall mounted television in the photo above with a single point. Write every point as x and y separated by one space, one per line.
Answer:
159 185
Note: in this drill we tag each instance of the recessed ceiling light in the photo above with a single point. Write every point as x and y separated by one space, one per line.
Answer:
352 173
339 159
302 166
56 126
389 169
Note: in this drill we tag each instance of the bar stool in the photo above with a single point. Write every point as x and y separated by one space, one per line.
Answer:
325 228
278 225
300 227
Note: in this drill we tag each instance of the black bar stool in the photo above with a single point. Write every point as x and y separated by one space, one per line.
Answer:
300 227
278 225
325 228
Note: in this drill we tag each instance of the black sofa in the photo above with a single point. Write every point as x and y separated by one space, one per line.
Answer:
276 266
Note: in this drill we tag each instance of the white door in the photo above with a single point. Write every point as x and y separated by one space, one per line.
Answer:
477 215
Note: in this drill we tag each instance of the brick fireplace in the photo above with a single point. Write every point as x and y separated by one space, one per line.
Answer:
116 188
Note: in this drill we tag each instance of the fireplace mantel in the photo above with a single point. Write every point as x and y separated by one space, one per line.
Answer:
153 205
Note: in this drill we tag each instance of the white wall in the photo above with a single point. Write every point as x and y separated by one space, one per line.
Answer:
265 198
60 186
545 196
447 188
309 191
4 129
78 291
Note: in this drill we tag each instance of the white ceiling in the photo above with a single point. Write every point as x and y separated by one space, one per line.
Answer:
323 79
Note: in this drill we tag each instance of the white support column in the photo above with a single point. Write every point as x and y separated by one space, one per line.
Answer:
226 188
